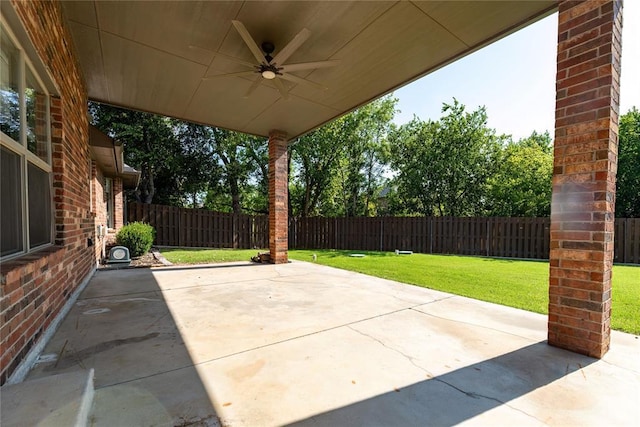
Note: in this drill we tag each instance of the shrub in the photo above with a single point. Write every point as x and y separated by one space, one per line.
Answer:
137 237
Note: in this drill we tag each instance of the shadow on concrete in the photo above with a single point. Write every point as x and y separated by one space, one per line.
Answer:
463 394
209 266
122 327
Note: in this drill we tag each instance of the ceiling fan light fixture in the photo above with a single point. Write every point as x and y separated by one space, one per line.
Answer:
276 68
268 74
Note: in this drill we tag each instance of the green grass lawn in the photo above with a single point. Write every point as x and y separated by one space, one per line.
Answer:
208 256
515 283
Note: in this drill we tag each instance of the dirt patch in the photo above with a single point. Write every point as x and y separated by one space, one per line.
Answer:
146 260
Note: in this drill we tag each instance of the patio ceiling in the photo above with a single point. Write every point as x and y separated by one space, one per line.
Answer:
153 56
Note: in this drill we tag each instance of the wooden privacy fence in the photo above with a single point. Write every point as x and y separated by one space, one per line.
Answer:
487 236
627 240
201 228
500 237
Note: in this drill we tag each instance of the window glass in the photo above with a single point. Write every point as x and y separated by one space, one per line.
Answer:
39 206
9 87
26 208
36 103
10 203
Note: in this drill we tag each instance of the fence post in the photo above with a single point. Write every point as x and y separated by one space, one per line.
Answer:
180 231
295 232
430 225
624 246
488 234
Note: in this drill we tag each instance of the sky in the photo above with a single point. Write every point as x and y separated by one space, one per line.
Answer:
514 79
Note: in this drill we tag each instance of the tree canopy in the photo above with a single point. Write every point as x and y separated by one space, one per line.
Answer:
361 164
339 168
628 180
521 184
150 146
185 164
444 167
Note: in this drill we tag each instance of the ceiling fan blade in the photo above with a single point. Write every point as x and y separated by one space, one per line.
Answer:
293 45
223 55
251 44
300 80
238 74
308 65
281 88
236 60
253 86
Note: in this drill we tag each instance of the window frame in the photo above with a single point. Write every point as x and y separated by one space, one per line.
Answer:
21 149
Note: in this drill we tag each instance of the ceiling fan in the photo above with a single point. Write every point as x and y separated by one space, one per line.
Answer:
273 67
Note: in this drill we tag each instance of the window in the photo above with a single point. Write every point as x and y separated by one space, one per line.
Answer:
25 153
11 203
108 198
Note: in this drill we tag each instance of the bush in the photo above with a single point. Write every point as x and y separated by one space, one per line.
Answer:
137 237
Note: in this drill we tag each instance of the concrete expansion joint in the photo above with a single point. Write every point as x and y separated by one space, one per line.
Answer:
471 324
435 378
143 377
204 362
624 368
435 300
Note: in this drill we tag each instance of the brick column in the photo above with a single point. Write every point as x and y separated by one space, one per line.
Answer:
585 163
278 195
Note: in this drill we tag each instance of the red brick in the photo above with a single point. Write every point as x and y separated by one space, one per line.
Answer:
48 268
278 197
564 81
568 292
584 176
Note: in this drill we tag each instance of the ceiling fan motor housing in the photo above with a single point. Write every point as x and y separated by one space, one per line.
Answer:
268 48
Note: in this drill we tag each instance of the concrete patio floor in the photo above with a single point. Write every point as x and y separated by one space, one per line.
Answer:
303 344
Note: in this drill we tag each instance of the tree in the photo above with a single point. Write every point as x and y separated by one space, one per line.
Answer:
628 180
197 163
337 169
150 146
314 162
185 164
243 179
443 167
521 185
256 195
365 159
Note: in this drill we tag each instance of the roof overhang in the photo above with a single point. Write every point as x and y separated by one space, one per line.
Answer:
130 177
154 55
109 156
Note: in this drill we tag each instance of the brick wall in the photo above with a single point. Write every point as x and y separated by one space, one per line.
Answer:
278 198
98 206
118 204
35 287
585 163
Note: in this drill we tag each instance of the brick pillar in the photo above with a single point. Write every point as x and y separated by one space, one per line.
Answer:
584 173
278 195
